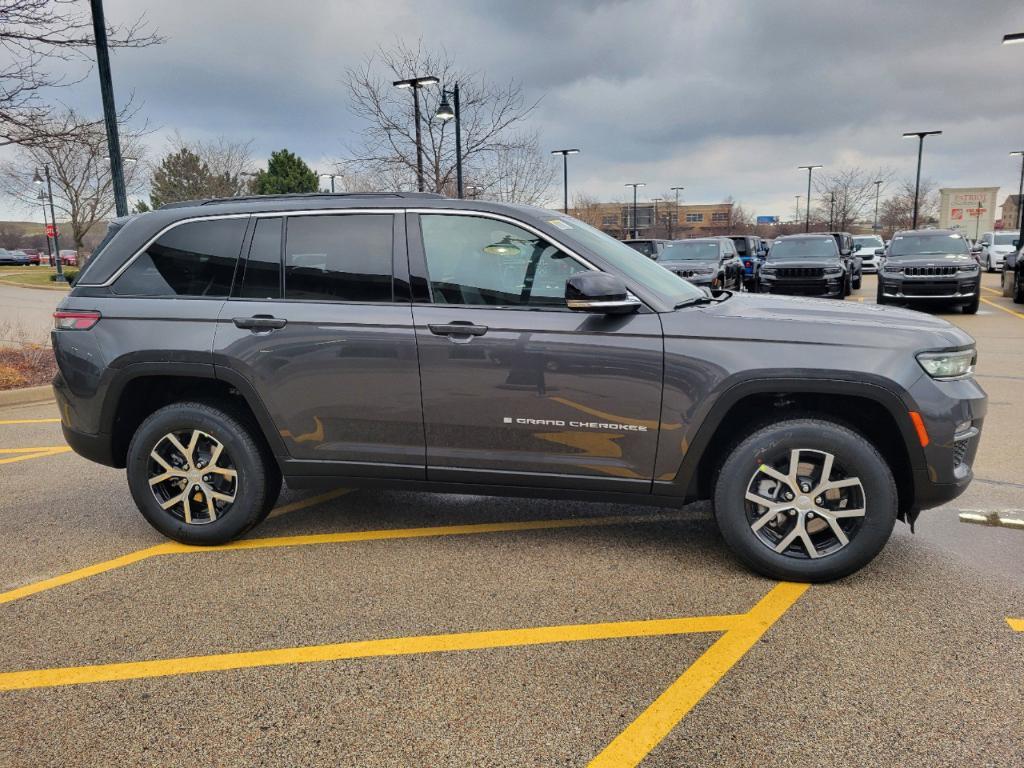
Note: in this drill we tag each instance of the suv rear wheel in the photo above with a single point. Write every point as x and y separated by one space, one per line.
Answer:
805 500
198 474
1018 287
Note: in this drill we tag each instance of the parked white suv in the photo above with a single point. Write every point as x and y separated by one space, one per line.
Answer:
868 245
994 247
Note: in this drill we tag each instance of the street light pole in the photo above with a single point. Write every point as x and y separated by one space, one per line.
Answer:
446 112
809 169
656 200
1020 192
49 251
635 186
37 179
878 189
99 28
415 83
671 223
832 211
565 175
920 149
332 177
797 218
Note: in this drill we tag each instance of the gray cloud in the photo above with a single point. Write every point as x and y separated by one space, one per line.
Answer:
723 97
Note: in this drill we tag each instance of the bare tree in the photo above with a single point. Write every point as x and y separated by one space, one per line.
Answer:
897 212
491 117
38 33
83 189
220 168
846 195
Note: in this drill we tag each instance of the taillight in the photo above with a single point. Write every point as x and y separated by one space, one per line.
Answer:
75 320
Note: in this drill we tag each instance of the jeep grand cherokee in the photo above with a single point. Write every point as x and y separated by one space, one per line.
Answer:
927 266
411 341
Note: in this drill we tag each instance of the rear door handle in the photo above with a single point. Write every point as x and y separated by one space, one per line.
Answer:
260 322
458 329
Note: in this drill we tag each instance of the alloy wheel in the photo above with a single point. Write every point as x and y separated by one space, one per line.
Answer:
804 504
192 477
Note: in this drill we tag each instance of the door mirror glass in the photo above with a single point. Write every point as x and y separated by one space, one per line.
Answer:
599 292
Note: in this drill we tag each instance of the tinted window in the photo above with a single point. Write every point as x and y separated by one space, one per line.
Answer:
484 261
194 259
646 247
927 243
339 258
804 248
262 278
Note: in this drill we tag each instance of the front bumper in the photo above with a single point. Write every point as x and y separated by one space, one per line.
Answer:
944 289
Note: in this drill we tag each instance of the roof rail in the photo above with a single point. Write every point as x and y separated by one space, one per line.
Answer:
296 196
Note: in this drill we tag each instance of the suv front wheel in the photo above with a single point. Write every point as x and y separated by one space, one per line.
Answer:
805 500
198 474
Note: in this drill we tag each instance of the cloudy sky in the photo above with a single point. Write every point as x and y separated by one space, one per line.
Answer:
722 97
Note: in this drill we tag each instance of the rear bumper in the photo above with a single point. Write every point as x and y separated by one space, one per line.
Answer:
98 448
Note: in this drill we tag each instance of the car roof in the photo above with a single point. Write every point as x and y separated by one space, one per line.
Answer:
950 232
806 235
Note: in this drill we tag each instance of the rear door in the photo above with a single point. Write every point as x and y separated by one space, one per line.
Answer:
320 325
518 389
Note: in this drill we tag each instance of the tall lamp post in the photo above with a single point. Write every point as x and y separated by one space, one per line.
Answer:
656 200
1020 192
332 177
37 179
415 83
672 222
810 170
635 186
565 175
797 218
42 198
878 190
448 111
1015 37
920 149
99 29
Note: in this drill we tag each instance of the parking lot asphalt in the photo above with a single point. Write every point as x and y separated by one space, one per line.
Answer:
379 628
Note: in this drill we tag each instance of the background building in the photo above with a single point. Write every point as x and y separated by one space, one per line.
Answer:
1011 212
660 219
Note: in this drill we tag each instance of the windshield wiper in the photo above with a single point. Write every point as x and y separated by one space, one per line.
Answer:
699 300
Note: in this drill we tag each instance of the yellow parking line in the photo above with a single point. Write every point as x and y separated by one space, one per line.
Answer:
24 454
174 548
655 723
1017 625
30 421
295 506
1004 309
991 290
361 649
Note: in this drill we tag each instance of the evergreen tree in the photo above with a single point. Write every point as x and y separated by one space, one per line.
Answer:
181 175
286 172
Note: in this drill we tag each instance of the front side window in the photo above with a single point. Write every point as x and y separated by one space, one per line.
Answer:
343 257
262 276
478 261
192 259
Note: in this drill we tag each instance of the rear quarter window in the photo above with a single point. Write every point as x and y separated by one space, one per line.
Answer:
192 259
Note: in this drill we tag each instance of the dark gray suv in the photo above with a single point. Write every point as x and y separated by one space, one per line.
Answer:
411 341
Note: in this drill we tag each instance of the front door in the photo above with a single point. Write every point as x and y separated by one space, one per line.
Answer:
518 389
315 326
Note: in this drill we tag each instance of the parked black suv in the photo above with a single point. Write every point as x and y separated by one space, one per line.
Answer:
705 261
805 265
930 265
411 341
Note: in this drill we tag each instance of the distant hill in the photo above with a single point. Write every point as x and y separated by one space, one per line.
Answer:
29 234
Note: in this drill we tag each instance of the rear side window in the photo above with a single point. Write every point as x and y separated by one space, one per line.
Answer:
193 259
339 258
262 277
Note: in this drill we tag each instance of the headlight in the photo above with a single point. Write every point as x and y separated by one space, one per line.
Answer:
969 267
948 365
767 270
892 269
833 270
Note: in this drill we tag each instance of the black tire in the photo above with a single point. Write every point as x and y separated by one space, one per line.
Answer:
879 296
1018 287
971 308
1006 283
257 483
853 454
857 282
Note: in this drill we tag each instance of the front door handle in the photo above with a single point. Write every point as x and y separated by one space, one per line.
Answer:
260 322
458 329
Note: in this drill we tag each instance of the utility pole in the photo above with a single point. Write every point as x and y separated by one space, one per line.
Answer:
99 28
635 186
809 169
672 222
797 218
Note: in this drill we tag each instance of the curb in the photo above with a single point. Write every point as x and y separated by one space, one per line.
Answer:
38 394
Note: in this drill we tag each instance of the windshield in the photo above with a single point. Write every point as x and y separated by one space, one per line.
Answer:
869 242
646 247
804 248
634 267
690 250
1006 239
927 243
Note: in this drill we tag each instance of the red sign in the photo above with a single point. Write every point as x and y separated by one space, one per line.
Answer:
51 231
